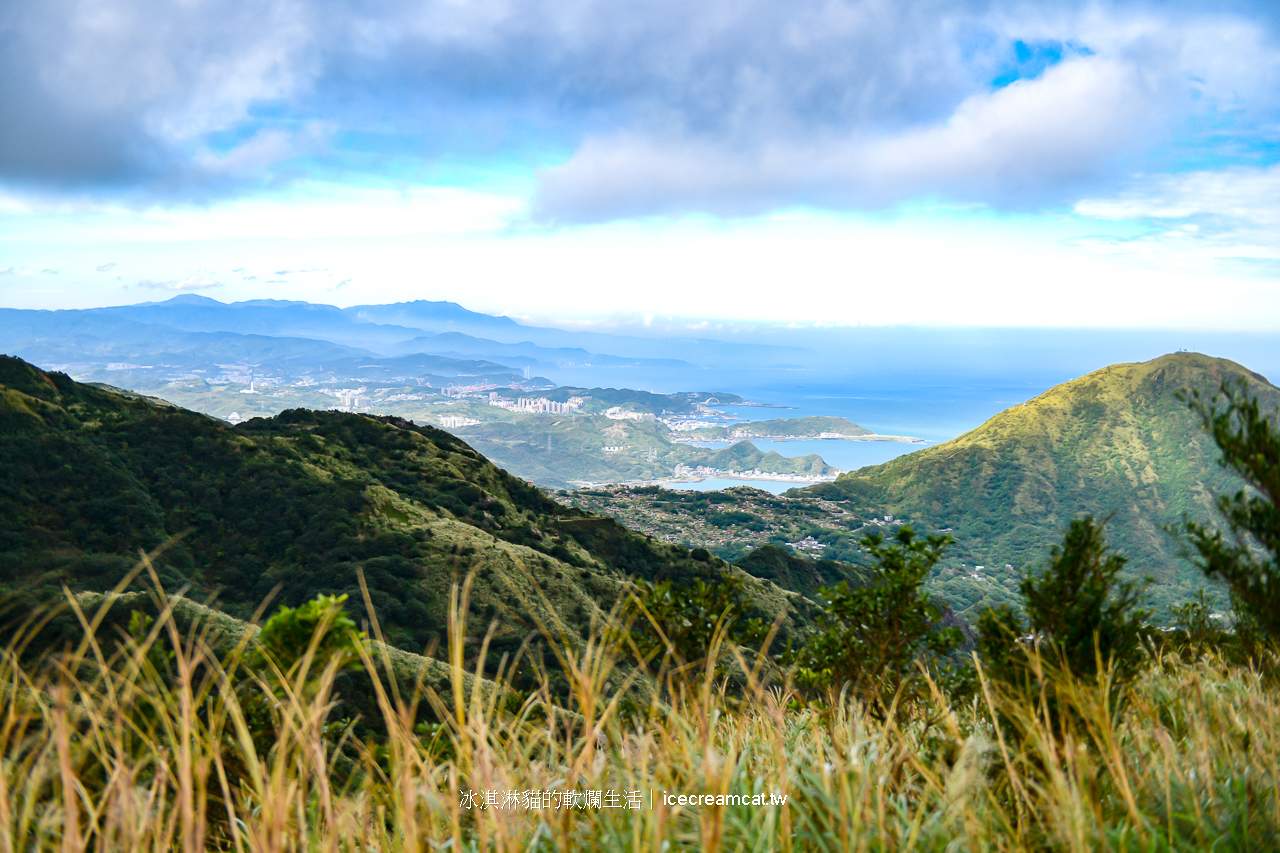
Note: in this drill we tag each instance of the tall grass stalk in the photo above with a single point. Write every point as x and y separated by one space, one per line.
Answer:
143 742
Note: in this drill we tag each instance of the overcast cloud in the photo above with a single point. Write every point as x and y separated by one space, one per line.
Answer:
640 107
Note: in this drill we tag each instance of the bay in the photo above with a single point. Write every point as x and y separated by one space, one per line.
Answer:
843 454
935 409
715 484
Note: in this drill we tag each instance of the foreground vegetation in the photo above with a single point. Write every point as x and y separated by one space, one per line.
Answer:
170 738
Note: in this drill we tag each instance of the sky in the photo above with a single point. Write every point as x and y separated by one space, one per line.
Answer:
941 162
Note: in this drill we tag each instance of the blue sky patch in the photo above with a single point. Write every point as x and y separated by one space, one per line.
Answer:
1031 59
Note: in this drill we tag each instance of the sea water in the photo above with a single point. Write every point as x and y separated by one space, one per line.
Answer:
930 412
933 409
711 484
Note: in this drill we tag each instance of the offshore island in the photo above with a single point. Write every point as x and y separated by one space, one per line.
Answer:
785 429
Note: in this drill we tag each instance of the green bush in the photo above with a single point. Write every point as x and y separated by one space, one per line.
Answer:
871 638
1250 560
1081 618
678 625
315 635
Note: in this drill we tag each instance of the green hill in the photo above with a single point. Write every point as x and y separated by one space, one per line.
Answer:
1116 443
296 505
797 573
809 427
562 451
745 456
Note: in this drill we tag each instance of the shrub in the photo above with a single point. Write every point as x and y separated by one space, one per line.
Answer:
1079 615
871 637
315 635
1250 561
684 626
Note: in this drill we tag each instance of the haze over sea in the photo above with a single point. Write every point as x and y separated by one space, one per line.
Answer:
931 411
929 384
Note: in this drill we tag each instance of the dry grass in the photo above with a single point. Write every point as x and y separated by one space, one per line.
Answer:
104 751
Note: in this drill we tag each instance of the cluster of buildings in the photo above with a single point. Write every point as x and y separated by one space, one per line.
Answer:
679 425
618 414
455 421
461 391
537 405
350 400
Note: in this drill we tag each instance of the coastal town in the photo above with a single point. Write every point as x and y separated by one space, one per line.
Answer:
554 436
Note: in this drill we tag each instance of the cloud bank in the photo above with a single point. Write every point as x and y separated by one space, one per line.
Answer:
638 108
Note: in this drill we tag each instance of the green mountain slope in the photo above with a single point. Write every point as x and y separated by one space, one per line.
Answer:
745 456
797 573
298 505
1116 443
809 427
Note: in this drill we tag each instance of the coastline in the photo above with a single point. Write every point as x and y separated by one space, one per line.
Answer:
800 479
905 439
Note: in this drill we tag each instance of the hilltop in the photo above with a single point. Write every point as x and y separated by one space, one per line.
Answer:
1116 443
295 505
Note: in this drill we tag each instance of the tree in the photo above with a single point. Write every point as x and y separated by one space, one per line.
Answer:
679 624
871 637
312 635
1249 561
1077 610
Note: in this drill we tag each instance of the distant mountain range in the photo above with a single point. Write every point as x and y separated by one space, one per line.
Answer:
297 338
1116 443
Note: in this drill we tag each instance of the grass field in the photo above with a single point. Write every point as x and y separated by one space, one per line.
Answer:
154 741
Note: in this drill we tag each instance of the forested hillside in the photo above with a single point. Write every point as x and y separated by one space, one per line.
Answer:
1119 444
295 505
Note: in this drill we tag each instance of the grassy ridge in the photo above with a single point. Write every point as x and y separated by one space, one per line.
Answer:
298 505
1117 444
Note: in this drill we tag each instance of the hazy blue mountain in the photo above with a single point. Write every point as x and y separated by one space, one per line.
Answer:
278 318
450 317
461 345
162 330
436 317
86 342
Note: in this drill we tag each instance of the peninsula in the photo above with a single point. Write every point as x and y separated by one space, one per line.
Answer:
791 429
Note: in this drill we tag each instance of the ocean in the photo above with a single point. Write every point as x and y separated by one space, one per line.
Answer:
934 411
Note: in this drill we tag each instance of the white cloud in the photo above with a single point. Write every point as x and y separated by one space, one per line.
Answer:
1247 196
1030 140
1224 220
311 209
105 267
751 105
186 284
